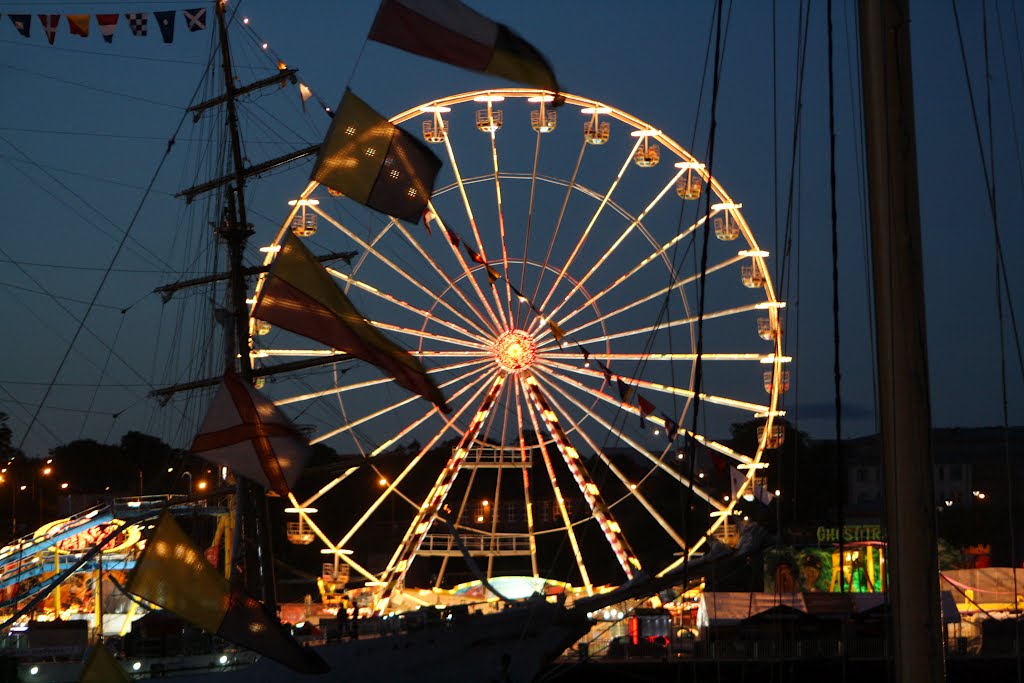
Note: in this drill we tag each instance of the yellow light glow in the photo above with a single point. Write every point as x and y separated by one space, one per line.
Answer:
201 485
596 110
435 110
514 350
489 98
650 132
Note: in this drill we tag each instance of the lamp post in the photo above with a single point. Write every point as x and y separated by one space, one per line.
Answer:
189 475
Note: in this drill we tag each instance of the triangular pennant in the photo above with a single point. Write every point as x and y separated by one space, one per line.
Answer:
608 376
492 275
78 25
50 23
107 24
195 19
165 20
671 428
304 93
376 163
477 258
646 408
452 237
625 391
428 216
245 432
138 22
299 295
557 332
22 22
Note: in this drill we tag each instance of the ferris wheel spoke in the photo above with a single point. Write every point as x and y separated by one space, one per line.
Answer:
631 488
628 440
639 300
529 232
658 253
308 396
586 232
755 408
527 496
402 559
647 329
423 334
352 424
494 322
469 214
615 245
426 315
558 224
448 425
368 248
501 225
588 489
597 355
452 285
559 499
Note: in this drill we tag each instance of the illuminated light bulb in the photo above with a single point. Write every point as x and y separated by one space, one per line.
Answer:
382 481
700 475
265 46
245 20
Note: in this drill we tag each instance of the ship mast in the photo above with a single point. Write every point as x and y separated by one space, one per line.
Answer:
903 396
250 503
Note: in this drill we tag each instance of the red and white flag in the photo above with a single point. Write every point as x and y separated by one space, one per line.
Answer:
245 432
50 23
78 24
107 24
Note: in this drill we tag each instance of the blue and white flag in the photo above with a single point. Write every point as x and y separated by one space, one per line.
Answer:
138 22
195 19
165 20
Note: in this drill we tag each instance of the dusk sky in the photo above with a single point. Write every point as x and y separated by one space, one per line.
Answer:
86 125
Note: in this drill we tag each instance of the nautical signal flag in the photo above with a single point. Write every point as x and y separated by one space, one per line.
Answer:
245 432
376 163
138 22
646 408
299 295
195 19
22 22
107 24
50 23
165 20
557 332
172 573
78 24
451 32
625 391
101 667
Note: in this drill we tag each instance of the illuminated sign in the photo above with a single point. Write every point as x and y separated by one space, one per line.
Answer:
851 533
90 537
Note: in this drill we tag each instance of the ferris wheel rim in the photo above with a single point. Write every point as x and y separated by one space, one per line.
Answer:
665 140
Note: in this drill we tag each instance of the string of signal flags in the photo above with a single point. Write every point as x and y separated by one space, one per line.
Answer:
138 23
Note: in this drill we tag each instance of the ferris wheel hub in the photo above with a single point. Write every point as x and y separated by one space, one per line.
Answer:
514 350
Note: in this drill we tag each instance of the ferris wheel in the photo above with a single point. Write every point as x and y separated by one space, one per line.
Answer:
559 295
